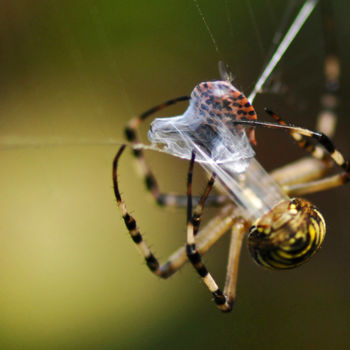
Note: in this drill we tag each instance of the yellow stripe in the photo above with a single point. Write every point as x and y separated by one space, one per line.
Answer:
338 158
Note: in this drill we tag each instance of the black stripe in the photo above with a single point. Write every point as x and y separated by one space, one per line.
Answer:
149 112
192 254
202 270
196 221
150 181
161 200
195 258
137 153
219 298
326 142
137 238
152 262
130 134
129 222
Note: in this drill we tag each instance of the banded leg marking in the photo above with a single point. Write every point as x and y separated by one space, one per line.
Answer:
191 250
302 141
322 184
239 229
298 133
197 214
162 271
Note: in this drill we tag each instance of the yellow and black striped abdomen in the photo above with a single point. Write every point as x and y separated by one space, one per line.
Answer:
288 235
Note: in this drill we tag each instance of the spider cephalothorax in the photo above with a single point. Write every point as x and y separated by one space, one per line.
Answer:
288 235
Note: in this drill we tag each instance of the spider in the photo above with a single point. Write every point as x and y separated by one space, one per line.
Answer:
283 237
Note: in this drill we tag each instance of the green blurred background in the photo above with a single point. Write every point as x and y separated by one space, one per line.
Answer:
77 71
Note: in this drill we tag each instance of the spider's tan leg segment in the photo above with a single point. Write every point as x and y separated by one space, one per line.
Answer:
327 117
240 227
162 199
318 185
192 253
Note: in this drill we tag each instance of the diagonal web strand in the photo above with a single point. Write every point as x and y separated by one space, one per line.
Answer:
294 29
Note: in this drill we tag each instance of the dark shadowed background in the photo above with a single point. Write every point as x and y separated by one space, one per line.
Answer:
76 72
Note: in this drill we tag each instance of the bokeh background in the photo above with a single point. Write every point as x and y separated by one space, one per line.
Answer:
75 72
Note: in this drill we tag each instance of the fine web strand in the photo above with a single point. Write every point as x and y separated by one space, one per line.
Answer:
294 29
21 142
229 19
277 37
111 58
8 143
256 29
207 26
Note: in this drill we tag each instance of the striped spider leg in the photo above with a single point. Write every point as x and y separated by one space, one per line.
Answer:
301 136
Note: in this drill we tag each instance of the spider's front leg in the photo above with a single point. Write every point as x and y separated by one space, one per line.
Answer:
224 300
163 271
